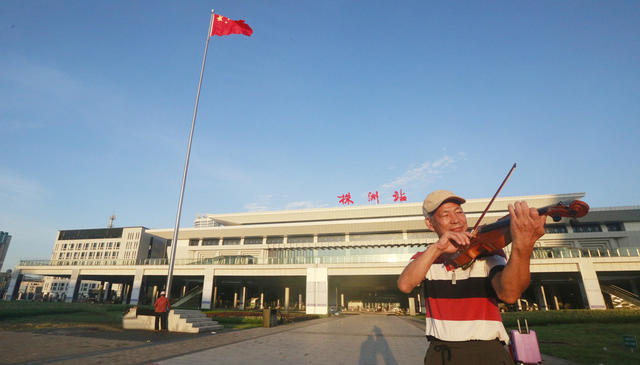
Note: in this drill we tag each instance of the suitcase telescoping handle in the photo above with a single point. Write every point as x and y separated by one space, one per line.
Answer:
526 324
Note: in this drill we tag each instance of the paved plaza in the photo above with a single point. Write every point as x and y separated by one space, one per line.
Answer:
345 339
355 339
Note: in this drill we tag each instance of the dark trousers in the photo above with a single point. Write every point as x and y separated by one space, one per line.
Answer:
467 352
161 318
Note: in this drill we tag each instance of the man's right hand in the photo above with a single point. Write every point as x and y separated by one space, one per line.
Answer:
450 241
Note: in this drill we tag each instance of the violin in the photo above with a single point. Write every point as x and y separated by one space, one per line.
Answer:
495 236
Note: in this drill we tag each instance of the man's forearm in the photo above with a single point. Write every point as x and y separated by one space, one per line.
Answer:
516 276
414 273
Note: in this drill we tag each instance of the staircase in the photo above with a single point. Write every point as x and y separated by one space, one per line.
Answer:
191 321
188 296
620 297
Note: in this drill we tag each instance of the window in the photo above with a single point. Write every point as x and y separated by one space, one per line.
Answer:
86 246
91 254
61 255
376 236
210 241
75 255
194 242
275 239
83 255
614 226
300 239
116 245
110 245
94 245
331 238
555 228
253 240
101 244
231 241
71 246
68 255
64 246
98 255
587 227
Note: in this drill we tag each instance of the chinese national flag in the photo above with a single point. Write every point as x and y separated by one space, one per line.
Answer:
225 26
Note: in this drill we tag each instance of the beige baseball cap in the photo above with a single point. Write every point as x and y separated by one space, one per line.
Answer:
436 198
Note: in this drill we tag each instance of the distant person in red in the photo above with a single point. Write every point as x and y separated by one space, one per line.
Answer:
161 307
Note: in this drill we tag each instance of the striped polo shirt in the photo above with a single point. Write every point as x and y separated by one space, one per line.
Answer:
462 305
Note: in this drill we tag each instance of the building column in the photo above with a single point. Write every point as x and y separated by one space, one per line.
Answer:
300 305
341 300
589 286
235 300
137 283
541 298
207 287
412 306
286 299
108 294
215 297
154 295
14 285
243 298
261 300
317 290
72 288
106 290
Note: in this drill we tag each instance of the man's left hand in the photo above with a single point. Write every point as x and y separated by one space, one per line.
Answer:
526 226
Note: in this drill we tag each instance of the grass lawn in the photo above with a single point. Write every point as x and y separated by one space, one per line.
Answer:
25 315
589 343
583 336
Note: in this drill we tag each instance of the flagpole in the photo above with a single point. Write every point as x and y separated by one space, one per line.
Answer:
174 242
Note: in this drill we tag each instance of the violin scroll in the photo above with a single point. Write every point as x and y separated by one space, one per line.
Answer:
575 209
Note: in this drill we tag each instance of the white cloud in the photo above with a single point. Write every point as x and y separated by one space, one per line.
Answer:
254 207
426 172
304 204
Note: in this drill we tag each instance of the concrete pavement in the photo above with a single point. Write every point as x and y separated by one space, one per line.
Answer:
345 339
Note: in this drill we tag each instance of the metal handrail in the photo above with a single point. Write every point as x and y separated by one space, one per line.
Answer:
538 253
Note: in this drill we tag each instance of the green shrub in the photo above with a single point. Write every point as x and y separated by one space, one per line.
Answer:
572 316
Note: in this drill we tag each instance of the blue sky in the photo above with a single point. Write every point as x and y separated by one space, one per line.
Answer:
323 99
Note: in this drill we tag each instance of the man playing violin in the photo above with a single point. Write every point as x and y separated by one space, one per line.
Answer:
463 322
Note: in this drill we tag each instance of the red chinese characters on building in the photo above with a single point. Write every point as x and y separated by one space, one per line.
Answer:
399 196
345 199
373 196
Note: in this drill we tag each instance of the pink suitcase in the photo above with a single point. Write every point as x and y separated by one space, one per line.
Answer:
524 345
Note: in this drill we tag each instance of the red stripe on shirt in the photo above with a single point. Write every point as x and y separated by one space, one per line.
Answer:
463 309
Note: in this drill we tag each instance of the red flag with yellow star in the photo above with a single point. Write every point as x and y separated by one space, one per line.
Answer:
225 26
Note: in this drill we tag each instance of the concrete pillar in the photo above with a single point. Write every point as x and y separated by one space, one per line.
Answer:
14 285
235 300
184 290
317 290
207 286
300 306
412 306
555 300
541 298
107 291
286 299
154 295
243 298
215 297
261 300
590 287
72 288
419 303
137 284
341 300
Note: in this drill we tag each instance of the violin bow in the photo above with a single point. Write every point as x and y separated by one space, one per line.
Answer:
475 228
